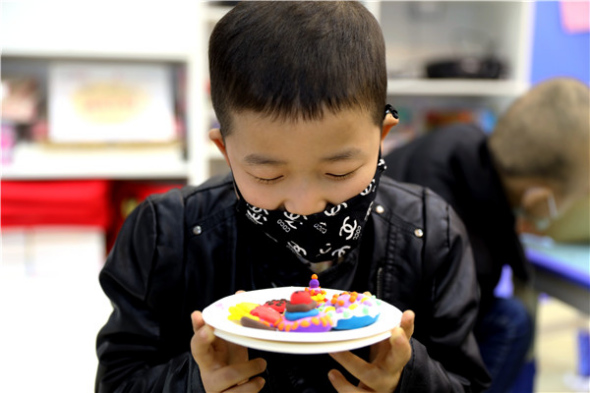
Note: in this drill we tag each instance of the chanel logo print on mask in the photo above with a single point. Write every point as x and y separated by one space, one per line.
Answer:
322 236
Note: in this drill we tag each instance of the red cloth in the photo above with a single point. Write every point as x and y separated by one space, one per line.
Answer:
38 203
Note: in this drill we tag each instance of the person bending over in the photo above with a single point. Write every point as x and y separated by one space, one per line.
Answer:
531 169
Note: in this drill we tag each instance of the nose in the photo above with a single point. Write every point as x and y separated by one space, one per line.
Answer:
304 200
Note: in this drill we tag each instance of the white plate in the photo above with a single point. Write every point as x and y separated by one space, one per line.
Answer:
216 315
300 348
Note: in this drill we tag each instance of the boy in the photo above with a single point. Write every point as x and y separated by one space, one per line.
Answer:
534 164
299 90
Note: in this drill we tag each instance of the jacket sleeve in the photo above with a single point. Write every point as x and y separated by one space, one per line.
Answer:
132 357
445 355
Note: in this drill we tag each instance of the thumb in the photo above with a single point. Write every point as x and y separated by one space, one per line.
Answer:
202 331
407 323
201 343
197 320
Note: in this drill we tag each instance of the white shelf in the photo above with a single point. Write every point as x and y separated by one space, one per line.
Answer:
93 53
131 31
455 87
93 29
32 161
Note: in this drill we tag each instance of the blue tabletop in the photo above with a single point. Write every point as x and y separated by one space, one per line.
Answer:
570 261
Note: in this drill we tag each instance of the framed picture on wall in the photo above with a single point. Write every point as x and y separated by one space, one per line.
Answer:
110 103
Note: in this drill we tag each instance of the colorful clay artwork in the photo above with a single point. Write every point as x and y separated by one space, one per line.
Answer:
309 311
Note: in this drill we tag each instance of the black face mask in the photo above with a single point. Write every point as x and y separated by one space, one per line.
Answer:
322 236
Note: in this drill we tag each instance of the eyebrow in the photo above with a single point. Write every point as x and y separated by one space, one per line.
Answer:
258 159
344 155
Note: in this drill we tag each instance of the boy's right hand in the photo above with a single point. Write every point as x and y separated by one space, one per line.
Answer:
224 366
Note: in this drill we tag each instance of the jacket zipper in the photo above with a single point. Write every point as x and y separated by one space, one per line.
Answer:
379 285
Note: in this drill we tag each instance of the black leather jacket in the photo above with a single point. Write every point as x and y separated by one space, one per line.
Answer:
460 169
180 251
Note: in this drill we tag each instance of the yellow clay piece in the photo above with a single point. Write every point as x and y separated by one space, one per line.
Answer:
242 310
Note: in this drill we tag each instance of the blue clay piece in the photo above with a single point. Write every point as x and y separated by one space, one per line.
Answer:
293 316
355 322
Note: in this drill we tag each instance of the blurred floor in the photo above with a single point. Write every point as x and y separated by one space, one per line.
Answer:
48 329
557 348
49 324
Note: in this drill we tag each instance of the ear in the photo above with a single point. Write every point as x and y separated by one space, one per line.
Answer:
216 137
388 123
534 201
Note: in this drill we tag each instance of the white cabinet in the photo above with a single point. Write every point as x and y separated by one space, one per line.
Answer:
35 33
418 33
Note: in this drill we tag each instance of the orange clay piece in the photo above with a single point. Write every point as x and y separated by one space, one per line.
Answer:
314 276
315 320
341 302
305 323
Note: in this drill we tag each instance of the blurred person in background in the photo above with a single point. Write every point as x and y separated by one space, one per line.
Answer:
526 175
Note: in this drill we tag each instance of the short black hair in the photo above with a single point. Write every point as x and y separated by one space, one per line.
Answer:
293 60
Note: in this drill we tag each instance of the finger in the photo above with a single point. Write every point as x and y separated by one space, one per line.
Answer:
240 291
407 323
400 352
379 351
236 353
253 385
237 374
339 382
379 375
359 368
202 343
382 348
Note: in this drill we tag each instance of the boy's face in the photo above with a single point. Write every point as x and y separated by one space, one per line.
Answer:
304 166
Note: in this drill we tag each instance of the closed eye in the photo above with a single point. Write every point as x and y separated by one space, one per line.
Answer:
266 181
341 177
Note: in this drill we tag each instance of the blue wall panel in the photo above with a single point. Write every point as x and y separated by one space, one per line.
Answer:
555 51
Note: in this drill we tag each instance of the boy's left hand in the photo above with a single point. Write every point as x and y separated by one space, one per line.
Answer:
388 359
